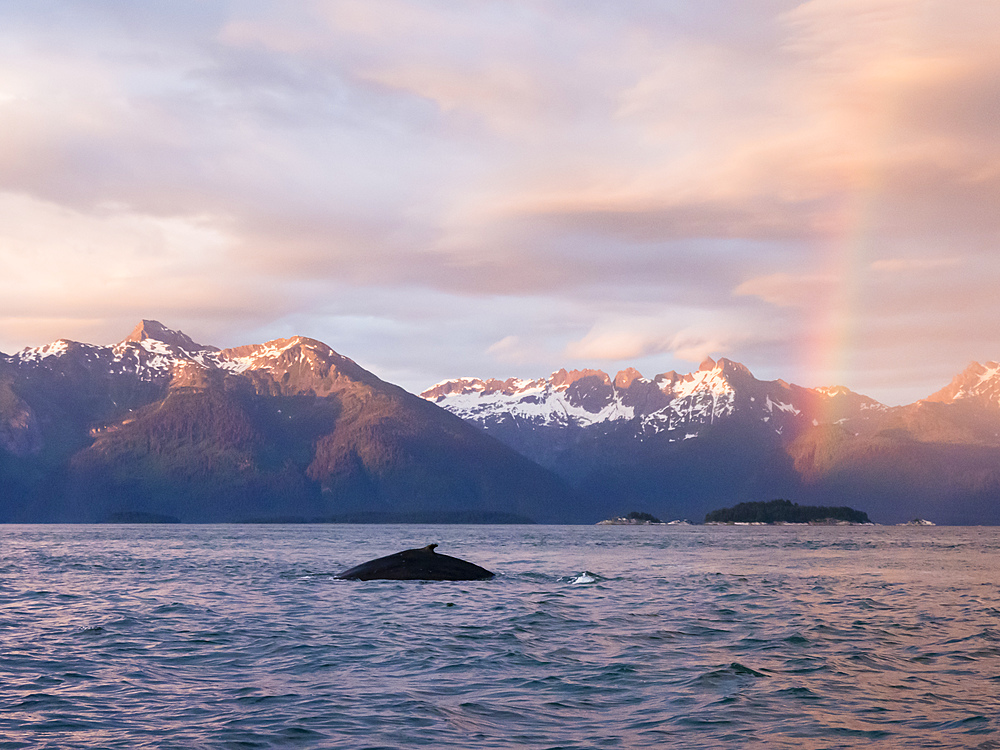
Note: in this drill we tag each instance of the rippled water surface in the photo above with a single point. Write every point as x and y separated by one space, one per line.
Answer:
687 637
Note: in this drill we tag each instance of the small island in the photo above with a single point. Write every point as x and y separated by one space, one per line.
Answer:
635 518
785 512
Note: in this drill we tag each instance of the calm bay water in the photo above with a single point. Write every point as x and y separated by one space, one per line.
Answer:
690 637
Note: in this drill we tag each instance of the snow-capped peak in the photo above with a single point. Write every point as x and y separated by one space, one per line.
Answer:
979 382
154 331
155 353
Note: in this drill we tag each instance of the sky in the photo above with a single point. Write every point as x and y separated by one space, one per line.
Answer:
501 188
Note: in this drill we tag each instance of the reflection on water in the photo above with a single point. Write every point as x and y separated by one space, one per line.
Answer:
148 636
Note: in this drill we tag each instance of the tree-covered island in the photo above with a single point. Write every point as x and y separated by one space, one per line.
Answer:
785 511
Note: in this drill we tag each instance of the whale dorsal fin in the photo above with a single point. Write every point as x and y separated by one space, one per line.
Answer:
429 548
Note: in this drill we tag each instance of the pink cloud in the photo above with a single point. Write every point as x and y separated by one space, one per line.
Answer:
789 290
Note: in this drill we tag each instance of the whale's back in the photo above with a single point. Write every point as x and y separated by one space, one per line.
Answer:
423 564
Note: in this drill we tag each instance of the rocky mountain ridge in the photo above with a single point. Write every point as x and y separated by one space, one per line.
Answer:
670 404
155 353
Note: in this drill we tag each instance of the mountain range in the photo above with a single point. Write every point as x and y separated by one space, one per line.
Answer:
681 445
161 427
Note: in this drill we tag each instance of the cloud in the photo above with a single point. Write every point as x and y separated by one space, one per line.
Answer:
788 290
417 180
113 264
626 340
618 344
904 265
511 350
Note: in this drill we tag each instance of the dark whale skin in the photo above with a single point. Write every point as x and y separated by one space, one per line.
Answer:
422 564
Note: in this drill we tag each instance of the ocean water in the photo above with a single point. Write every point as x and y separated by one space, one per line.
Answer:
686 637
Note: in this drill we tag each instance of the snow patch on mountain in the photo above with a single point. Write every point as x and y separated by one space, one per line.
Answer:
832 390
258 357
38 353
772 405
536 402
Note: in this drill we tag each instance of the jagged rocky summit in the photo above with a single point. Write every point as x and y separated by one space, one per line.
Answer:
159 425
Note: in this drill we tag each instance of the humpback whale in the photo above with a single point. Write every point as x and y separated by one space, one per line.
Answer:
422 564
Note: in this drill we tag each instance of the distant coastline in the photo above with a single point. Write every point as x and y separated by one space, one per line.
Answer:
407 517
361 517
